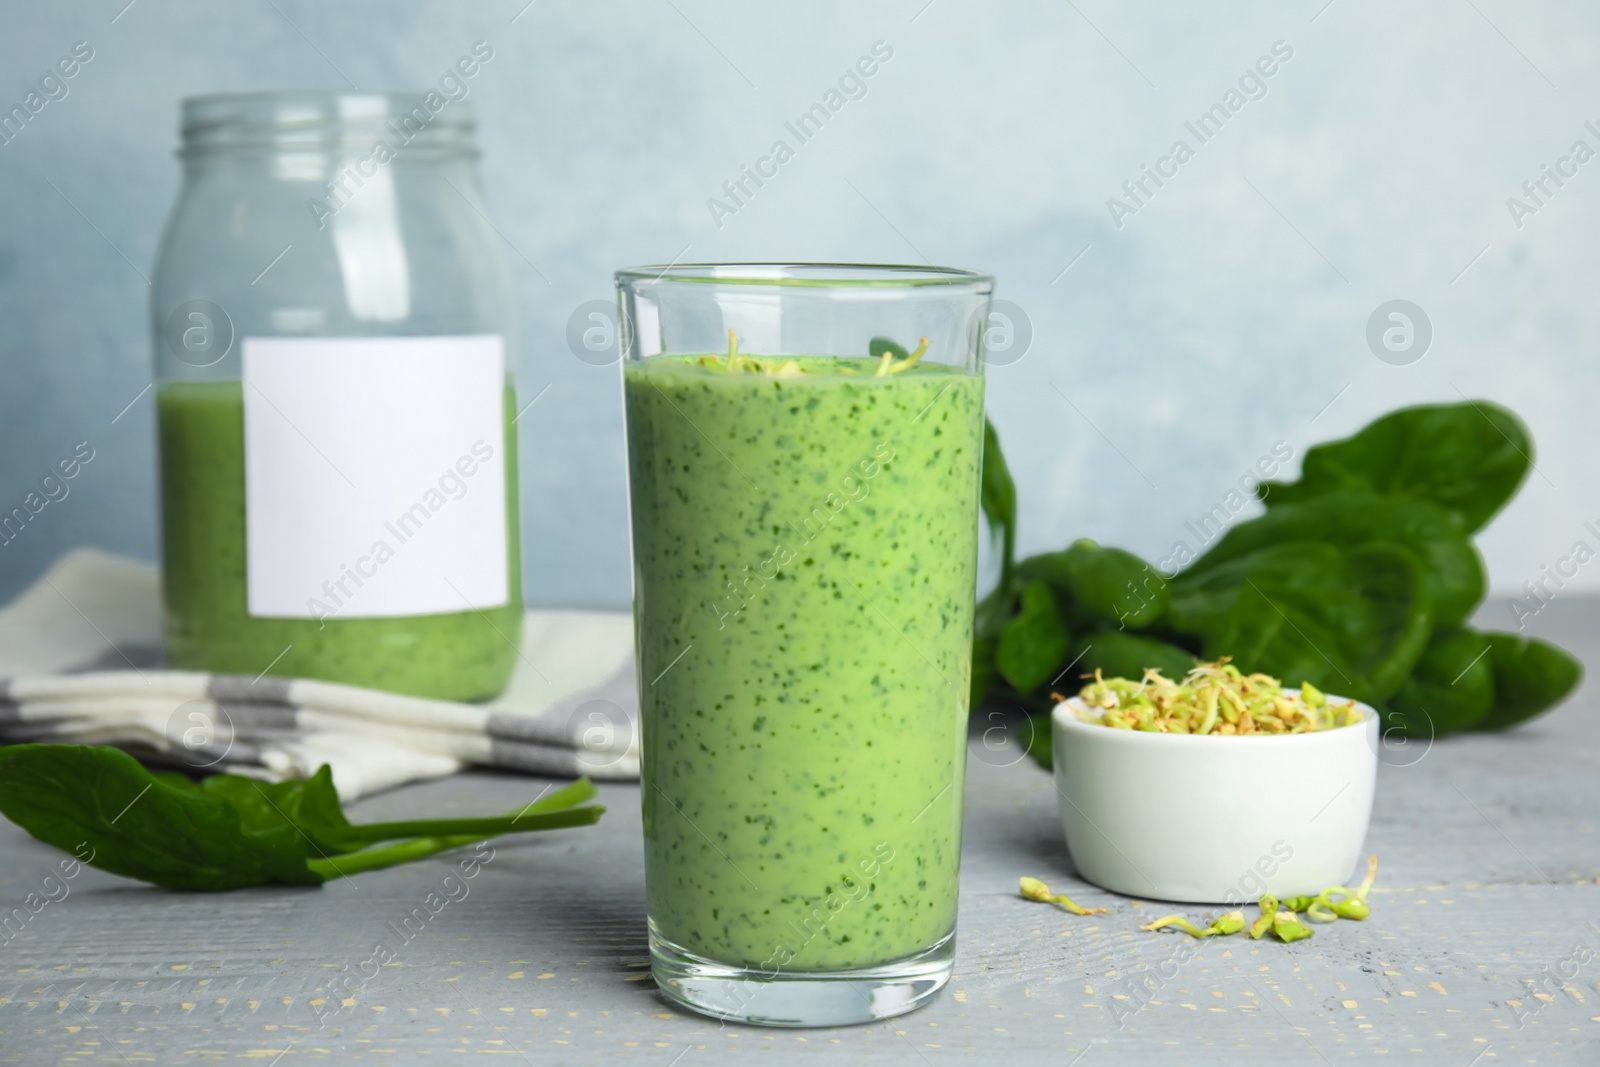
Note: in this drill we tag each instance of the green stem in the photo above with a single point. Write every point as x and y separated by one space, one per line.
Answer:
888 365
565 797
489 826
1366 883
373 859
377 858
1322 910
1181 923
530 817
911 360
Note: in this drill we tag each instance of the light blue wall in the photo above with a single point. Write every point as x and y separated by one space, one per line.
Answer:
1219 319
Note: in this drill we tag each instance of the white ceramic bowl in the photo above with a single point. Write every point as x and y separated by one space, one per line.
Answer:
1214 819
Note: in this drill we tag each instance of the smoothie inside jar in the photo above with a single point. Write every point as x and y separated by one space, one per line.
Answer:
466 655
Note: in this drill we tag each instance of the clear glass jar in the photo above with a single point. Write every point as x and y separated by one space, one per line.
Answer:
804 455
331 315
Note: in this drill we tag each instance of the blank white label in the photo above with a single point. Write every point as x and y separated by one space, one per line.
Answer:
374 475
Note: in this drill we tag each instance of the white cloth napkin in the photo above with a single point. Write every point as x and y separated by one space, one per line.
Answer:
80 662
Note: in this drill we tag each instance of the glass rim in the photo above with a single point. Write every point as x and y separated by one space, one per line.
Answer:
808 275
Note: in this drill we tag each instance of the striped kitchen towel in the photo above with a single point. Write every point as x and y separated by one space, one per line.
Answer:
80 662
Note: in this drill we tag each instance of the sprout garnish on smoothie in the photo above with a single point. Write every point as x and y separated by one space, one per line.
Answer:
892 359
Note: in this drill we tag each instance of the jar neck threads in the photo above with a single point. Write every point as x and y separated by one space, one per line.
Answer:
418 125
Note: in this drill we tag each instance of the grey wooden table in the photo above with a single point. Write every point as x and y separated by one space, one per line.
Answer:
1480 950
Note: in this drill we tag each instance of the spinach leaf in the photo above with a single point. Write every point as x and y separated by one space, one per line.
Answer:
1352 621
72 796
1033 645
995 610
1341 583
983 672
229 832
1530 677
1468 458
1102 583
310 805
1122 655
1350 519
1450 689
998 498
879 345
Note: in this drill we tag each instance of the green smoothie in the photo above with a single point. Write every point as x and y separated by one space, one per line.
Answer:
458 656
805 553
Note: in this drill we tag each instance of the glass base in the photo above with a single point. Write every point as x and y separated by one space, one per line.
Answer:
800 998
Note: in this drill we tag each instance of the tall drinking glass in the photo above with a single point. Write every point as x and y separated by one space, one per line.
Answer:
804 450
